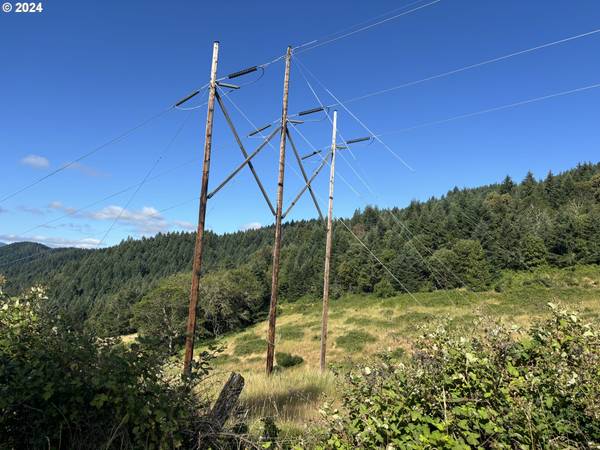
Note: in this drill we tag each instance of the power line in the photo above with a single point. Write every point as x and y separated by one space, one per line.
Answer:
471 66
108 197
497 108
86 155
376 137
319 43
148 173
380 262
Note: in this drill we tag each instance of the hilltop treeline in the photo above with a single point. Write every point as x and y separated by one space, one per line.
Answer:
463 239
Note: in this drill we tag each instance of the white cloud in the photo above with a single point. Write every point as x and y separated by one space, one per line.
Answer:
145 221
251 226
31 210
184 224
35 161
59 206
86 170
52 241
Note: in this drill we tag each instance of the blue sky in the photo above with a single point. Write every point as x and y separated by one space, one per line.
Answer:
81 73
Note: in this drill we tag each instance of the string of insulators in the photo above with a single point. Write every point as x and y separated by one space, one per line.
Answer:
310 154
189 97
360 139
255 132
242 72
310 111
227 85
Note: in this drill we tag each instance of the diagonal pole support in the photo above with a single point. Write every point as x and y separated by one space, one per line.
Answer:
246 161
312 194
306 186
244 152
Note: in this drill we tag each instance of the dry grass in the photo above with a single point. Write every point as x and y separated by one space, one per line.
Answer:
293 395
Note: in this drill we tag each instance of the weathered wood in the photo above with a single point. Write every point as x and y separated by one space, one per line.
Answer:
277 244
328 246
227 401
244 152
211 429
197 264
303 172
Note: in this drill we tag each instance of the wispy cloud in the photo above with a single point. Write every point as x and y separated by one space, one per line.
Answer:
31 210
86 170
60 207
51 241
3 210
35 161
145 221
251 226
185 225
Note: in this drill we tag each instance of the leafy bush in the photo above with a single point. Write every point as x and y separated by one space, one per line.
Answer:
62 387
290 332
249 344
540 390
354 340
286 360
230 300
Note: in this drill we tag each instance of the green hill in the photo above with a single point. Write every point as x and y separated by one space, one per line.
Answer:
463 239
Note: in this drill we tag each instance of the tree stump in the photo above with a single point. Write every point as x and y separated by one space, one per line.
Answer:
224 406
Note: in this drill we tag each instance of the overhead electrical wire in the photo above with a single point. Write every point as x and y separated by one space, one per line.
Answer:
320 43
86 155
75 211
494 109
377 138
471 66
146 176
463 69
365 184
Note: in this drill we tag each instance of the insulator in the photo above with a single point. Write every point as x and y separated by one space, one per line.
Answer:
310 111
242 72
361 139
259 130
192 95
227 85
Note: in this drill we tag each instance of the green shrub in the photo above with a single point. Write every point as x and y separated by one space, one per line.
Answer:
540 390
249 344
286 360
290 332
62 387
384 288
354 340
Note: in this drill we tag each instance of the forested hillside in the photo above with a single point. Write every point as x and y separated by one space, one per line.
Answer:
464 239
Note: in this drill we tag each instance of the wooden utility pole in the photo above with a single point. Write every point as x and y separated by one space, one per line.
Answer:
328 246
197 265
277 244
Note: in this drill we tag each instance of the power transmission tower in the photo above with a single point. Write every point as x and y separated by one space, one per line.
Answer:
278 217
328 246
198 248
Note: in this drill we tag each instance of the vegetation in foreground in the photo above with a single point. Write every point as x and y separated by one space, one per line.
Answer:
461 386
538 388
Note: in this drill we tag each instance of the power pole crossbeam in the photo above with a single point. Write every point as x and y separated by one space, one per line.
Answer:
306 186
244 152
277 244
312 194
246 161
328 246
198 247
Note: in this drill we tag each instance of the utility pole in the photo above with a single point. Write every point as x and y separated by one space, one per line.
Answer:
277 244
197 265
328 246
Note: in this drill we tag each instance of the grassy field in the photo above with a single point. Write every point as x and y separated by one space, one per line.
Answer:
362 326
